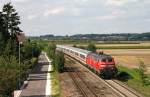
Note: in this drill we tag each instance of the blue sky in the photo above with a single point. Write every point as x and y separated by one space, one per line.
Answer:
68 17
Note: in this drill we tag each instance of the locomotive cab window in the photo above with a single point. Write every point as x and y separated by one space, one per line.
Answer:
109 59
103 60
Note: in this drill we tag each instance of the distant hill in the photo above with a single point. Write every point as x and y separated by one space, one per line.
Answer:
100 37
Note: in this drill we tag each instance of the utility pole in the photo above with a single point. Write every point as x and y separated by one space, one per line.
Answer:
19 66
21 39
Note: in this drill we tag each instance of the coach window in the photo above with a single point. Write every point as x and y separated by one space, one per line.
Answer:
71 51
76 53
82 56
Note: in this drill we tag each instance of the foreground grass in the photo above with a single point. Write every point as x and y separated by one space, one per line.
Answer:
55 84
132 79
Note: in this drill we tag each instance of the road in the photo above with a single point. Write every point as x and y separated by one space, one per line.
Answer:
39 81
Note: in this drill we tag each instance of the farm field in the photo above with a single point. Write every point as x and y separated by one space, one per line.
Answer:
140 45
130 57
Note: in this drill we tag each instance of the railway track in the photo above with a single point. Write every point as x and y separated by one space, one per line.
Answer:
130 93
84 88
118 88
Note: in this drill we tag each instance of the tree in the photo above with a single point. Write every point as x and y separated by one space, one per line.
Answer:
11 72
12 20
11 25
3 29
74 45
1 37
91 47
4 36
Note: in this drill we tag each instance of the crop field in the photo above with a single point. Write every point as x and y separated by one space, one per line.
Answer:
139 45
130 57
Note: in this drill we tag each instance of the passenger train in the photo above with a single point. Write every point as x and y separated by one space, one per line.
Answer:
103 64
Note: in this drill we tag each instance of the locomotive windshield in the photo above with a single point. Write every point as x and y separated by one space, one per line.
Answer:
106 60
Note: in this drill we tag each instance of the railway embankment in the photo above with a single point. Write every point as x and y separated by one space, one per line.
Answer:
76 81
131 78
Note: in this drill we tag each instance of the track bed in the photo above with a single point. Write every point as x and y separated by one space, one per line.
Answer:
76 81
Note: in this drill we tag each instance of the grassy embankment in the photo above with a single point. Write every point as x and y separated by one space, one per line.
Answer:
55 83
54 73
132 79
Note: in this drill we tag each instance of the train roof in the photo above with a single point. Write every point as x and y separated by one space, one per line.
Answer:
78 50
100 56
85 52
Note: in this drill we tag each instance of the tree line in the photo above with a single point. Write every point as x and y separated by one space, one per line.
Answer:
99 37
12 74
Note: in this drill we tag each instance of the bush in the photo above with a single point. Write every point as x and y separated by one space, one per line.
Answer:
29 50
9 72
50 49
142 73
57 58
59 61
91 47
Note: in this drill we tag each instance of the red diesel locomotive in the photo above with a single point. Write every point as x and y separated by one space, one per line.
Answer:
103 64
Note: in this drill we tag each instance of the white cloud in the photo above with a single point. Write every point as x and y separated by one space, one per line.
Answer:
113 15
118 12
81 1
119 2
54 11
106 17
33 16
116 2
75 11
148 20
88 13
20 1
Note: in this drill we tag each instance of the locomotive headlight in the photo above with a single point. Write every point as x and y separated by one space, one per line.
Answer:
103 66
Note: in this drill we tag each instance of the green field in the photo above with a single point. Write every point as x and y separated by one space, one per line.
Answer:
132 79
